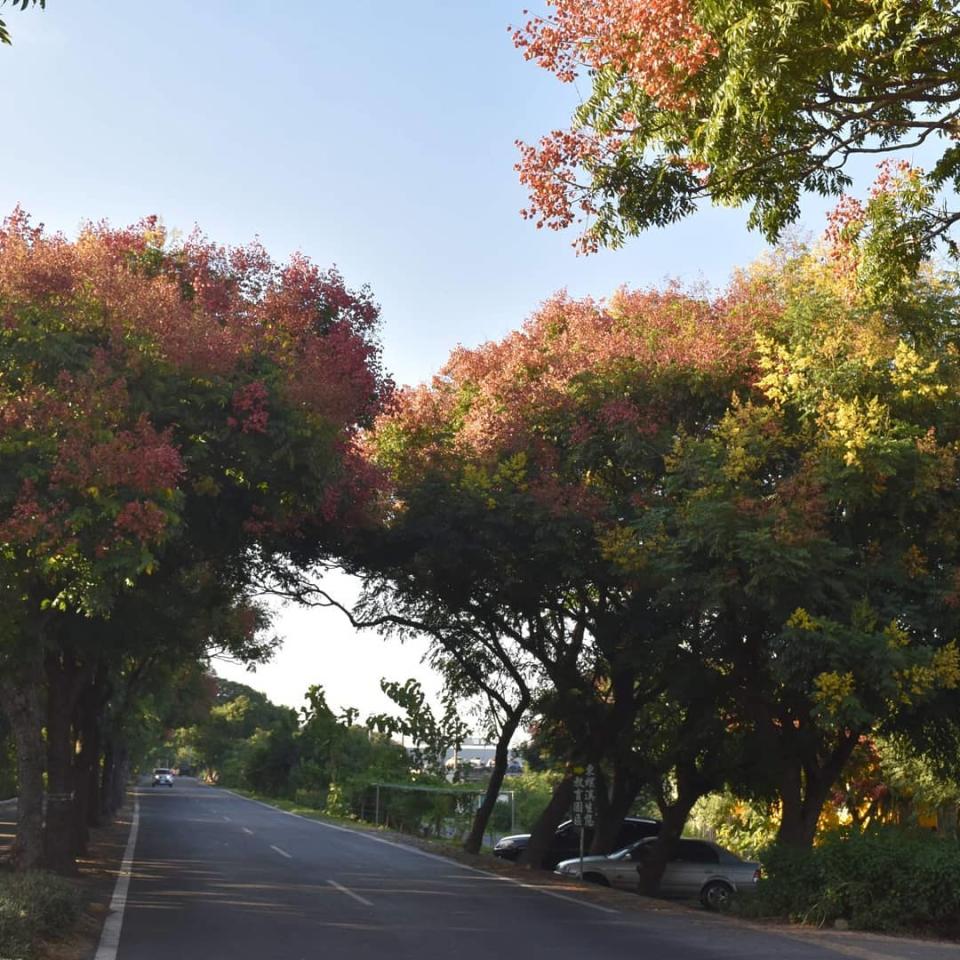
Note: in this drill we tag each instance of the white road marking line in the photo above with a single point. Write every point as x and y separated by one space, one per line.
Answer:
247 831
429 856
350 893
283 853
110 935
227 819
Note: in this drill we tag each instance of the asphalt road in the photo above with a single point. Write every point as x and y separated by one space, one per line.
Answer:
219 877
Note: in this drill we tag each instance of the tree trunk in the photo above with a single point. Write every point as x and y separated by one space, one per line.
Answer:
947 816
106 777
121 774
87 780
624 792
543 830
59 838
691 786
479 827
804 788
22 703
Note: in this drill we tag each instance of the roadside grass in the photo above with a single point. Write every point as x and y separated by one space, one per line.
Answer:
443 847
35 907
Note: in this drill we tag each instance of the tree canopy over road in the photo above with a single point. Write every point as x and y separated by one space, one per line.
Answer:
172 414
747 103
720 532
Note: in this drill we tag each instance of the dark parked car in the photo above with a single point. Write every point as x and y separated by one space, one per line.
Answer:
566 841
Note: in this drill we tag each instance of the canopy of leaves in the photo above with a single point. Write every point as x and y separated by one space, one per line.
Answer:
152 393
745 102
744 504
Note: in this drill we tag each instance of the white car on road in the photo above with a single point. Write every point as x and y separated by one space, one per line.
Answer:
162 777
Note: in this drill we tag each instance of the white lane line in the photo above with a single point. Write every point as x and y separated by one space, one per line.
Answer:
283 853
247 831
110 935
429 856
350 893
227 819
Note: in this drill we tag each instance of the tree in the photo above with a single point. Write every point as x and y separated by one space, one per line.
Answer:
4 33
729 521
431 737
743 102
189 406
515 476
818 520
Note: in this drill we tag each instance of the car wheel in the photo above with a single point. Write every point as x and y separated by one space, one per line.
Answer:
597 878
716 895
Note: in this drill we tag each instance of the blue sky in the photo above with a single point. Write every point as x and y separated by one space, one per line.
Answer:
375 135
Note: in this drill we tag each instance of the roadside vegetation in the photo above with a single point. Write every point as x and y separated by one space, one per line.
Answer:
320 761
35 907
886 879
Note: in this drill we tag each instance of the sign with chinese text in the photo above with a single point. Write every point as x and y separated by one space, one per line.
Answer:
584 798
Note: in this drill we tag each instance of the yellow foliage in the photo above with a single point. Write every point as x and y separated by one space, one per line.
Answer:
946 666
853 425
913 376
801 620
741 433
915 681
915 562
832 689
941 673
622 548
896 636
512 471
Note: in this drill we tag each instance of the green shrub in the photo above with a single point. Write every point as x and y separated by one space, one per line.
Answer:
886 879
532 792
314 799
744 826
34 906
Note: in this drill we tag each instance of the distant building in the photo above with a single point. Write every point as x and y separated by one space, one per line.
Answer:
475 760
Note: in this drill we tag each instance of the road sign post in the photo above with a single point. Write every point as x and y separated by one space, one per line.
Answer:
584 803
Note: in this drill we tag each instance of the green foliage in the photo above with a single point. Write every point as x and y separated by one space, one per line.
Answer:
431 736
778 101
532 792
269 758
886 879
23 4
34 906
748 828
320 759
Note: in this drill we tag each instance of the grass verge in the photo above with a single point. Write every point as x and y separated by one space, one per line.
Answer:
35 907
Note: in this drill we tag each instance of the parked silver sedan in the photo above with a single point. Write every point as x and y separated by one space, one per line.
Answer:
698 868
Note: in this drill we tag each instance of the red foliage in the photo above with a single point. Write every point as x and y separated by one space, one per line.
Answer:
656 44
100 331
578 370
